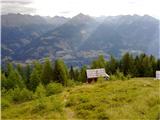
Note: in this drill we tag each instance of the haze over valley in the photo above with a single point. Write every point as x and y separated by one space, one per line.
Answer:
79 39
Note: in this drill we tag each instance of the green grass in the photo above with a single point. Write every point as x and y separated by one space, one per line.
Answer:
133 99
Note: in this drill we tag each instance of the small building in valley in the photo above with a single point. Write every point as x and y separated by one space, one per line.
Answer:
94 74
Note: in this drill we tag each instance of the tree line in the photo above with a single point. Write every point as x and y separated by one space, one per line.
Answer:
31 75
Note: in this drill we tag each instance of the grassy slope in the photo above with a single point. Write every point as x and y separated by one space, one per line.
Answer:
131 99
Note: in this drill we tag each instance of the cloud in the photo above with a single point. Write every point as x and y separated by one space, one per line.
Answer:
69 8
65 12
23 2
17 6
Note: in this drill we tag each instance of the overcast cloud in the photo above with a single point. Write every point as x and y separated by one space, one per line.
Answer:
70 8
17 6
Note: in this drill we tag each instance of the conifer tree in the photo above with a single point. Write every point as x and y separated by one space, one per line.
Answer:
153 63
40 91
71 73
14 79
9 68
39 67
76 74
111 65
60 72
34 80
99 63
27 75
82 75
147 67
47 72
158 64
20 70
127 64
3 81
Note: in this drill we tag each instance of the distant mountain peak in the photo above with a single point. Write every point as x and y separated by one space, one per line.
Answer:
82 18
81 15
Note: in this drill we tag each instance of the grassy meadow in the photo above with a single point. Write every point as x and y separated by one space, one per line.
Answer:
137 98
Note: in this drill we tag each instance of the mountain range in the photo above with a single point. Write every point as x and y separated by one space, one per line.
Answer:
77 40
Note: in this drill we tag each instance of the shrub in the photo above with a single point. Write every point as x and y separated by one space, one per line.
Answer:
14 94
53 88
70 83
102 116
40 91
26 94
83 113
128 76
57 105
5 103
113 77
84 98
3 92
72 101
39 106
100 80
87 106
19 95
119 76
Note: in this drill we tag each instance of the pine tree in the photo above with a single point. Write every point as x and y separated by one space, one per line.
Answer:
76 74
39 67
82 75
147 67
14 79
61 74
111 65
158 64
27 75
139 65
40 91
71 73
20 70
34 80
99 63
47 72
153 64
127 64
9 68
3 81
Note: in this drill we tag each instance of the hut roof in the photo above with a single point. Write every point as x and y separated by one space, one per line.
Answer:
95 73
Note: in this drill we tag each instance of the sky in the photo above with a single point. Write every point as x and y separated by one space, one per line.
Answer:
70 8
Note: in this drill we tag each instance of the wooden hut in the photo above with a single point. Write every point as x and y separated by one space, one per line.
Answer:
94 74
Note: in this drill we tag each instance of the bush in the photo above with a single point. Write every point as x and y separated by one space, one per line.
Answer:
39 106
83 113
57 105
70 83
5 103
128 76
87 106
100 80
26 95
53 88
71 101
19 95
15 94
40 91
83 99
113 77
102 116
119 76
